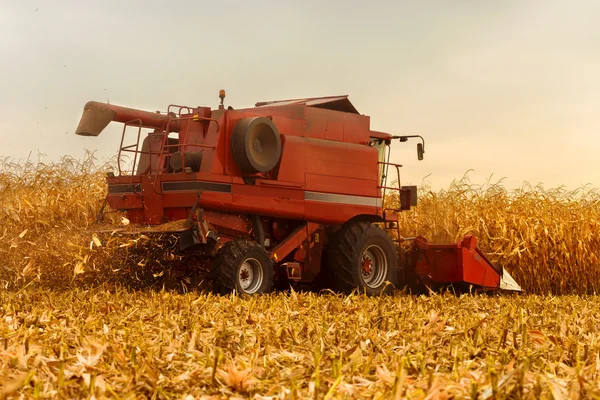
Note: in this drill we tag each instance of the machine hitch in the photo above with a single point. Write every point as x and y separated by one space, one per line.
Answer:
462 263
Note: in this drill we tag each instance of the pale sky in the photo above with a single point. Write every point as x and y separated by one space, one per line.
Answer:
503 87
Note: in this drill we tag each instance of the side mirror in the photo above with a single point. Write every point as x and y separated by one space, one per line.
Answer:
420 151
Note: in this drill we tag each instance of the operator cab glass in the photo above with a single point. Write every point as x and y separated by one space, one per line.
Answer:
380 145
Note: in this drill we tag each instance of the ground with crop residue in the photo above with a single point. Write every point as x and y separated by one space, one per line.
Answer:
126 344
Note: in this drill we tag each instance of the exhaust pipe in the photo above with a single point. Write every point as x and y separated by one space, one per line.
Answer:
96 116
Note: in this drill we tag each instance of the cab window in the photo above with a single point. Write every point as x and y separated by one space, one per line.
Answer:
380 145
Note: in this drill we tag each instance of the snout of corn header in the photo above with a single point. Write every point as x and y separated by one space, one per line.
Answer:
507 282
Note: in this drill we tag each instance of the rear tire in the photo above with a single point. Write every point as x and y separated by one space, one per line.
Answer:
242 266
362 256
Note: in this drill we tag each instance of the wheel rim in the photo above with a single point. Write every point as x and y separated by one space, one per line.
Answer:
374 266
250 275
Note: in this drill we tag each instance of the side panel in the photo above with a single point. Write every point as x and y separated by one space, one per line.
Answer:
334 130
279 202
293 160
125 201
335 213
275 201
181 190
153 205
343 168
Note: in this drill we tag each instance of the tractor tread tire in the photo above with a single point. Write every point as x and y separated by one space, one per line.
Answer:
229 258
345 256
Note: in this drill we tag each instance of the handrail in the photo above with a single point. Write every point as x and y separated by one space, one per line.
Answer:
123 138
189 109
216 121
385 187
390 163
185 136
163 153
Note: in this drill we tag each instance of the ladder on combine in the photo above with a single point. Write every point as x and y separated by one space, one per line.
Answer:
407 197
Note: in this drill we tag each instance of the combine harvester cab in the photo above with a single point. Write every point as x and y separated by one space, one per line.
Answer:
288 191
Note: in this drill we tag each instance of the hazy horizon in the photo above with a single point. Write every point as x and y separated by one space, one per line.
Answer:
509 89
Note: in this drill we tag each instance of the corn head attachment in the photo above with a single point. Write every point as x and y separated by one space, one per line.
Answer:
461 264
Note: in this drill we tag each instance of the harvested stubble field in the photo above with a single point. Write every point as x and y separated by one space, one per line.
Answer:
124 344
85 315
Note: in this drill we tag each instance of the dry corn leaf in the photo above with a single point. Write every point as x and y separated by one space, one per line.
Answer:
96 241
79 269
240 381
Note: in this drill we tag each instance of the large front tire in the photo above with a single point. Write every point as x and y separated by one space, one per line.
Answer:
362 256
242 266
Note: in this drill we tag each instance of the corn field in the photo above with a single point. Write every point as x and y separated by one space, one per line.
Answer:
102 316
549 240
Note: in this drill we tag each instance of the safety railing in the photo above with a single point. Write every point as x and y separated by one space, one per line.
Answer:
128 148
182 146
384 186
165 150
179 109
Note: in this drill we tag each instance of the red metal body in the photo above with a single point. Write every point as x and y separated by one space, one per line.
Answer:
328 172
331 169
462 262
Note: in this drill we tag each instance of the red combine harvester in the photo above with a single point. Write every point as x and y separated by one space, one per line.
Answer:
288 190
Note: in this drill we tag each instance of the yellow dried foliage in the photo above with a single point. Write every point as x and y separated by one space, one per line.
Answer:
152 344
45 211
